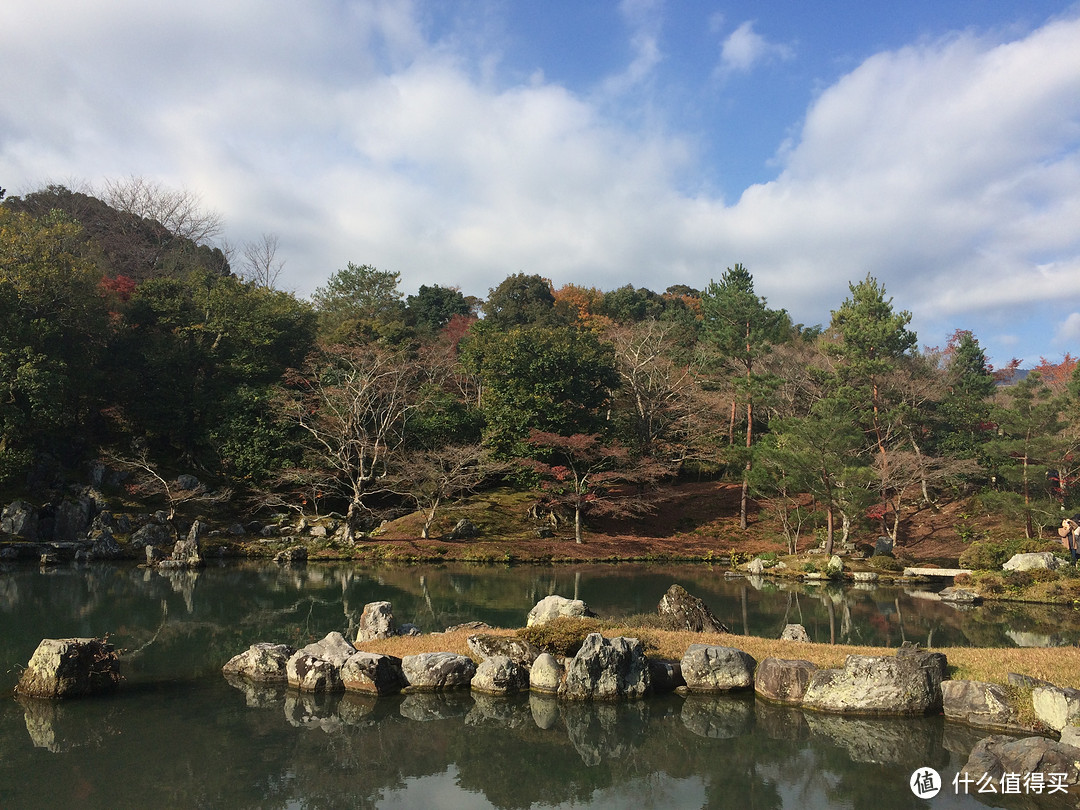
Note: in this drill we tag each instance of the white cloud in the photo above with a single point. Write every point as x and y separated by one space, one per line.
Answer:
744 49
949 170
1068 331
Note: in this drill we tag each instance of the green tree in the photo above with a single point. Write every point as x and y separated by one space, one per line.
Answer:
964 412
554 379
360 303
742 329
521 300
432 308
53 329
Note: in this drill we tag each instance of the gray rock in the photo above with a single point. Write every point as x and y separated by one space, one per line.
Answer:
438 671
708 668
607 669
1056 707
794 632
293 555
546 674
554 607
865 576
317 531
261 663
152 534
333 647
187 482
783 680
71 519
1033 561
185 554
154 555
20 519
960 596
756 566
1070 735
978 704
70 667
463 530
500 675
376 622
688 612
309 673
409 629
370 672
900 685
518 650
998 755
105 546
835 566
884 546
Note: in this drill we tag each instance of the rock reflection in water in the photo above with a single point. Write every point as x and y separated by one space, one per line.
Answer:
719 717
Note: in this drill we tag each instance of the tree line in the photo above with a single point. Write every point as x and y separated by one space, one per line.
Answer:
125 334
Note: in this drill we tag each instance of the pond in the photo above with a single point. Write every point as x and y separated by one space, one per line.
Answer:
178 735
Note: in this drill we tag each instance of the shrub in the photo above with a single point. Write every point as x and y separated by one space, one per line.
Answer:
990 555
886 562
1018 580
563 636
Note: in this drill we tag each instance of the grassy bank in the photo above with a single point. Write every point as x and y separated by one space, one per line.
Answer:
1059 665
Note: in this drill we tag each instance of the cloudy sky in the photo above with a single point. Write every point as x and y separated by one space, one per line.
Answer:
934 145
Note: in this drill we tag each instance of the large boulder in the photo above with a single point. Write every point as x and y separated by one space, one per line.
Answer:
518 650
293 555
437 671
185 553
70 667
868 684
555 607
1056 707
546 674
261 663
666 676
688 612
1000 754
978 704
1032 561
371 672
783 680
607 669
309 673
709 668
71 519
376 622
20 520
500 675
794 632
333 647
152 534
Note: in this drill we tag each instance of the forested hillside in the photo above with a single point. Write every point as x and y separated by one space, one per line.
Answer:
127 337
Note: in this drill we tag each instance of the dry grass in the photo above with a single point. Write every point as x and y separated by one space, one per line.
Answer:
1059 665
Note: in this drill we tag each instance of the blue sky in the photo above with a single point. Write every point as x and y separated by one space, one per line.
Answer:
933 145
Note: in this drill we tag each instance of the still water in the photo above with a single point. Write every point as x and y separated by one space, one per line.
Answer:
178 735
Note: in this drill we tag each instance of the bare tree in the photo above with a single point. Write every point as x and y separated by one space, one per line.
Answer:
354 405
180 211
261 265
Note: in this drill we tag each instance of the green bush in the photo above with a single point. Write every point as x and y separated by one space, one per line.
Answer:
990 555
886 562
561 636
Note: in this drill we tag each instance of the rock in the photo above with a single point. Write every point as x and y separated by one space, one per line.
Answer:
783 680
554 607
152 534
188 483
904 684
1070 735
1026 681
71 519
999 754
689 612
666 676
21 520
105 546
198 531
70 667
794 632
376 622
1056 707
185 553
309 673
237 530
437 671
517 650
978 704
317 531
463 530
959 596
756 566
865 576
293 555
468 626
835 566
261 663
546 674
333 647
708 668
500 675
370 672
409 629
606 669
154 555
883 546
1032 561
